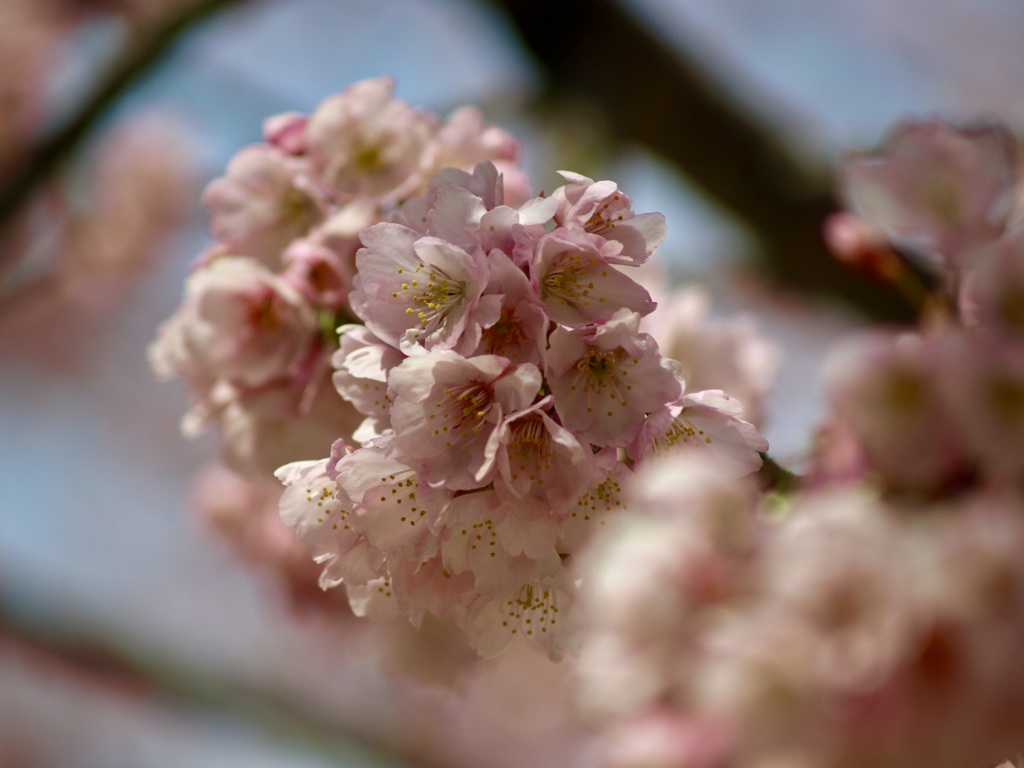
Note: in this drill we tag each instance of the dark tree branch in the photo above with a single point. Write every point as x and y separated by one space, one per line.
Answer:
657 95
774 477
116 666
146 50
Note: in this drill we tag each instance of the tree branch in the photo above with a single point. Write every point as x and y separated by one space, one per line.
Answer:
658 95
772 476
138 59
72 647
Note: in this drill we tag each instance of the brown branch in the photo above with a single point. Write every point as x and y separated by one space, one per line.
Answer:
660 96
146 50
774 477
115 665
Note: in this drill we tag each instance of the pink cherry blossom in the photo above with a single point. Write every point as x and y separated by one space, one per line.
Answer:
606 378
263 429
421 290
574 277
376 599
987 400
475 192
428 588
262 204
495 409
936 187
887 390
316 272
361 367
445 408
465 140
728 354
392 509
488 537
602 499
521 331
286 132
468 210
538 460
536 612
341 230
601 209
992 295
703 421
239 321
320 512
364 142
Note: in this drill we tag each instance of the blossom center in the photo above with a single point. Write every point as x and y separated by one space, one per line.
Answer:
262 314
565 283
606 496
680 431
532 610
432 292
601 220
462 413
505 333
531 451
369 160
297 208
598 371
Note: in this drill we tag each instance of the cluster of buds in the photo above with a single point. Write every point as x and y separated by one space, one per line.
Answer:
492 388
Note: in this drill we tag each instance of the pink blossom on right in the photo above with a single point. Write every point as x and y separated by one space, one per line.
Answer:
992 292
935 187
889 391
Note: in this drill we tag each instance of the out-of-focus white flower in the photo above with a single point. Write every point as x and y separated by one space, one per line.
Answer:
727 354
239 322
263 203
889 392
992 294
936 188
363 142
652 576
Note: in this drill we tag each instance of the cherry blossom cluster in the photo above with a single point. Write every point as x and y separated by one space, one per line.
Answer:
384 289
508 391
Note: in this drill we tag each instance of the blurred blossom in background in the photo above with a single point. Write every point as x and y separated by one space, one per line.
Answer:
136 612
